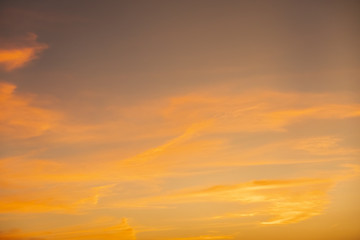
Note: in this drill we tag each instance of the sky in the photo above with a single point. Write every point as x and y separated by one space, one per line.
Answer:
179 120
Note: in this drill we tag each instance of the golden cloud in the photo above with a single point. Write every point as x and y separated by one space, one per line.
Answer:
121 231
324 145
205 237
185 136
287 201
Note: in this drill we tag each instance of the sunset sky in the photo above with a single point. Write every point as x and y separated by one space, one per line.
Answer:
179 120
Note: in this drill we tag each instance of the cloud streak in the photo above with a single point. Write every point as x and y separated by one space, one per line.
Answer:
122 230
20 51
20 118
287 201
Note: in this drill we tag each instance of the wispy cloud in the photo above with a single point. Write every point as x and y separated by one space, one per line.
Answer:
15 53
206 237
121 162
122 230
20 118
324 145
287 201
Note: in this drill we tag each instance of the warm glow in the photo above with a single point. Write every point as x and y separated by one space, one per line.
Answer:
15 55
179 121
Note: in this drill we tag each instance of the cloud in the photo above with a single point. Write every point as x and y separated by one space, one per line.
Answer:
30 186
16 235
20 118
121 230
164 148
121 162
15 53
206 237
286 201
203 143
324 146
63 198
254 111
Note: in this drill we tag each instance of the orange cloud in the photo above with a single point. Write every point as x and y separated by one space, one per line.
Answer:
47 198
255 111
121 231
44 186
16 235
18 53
198 145
99 178
206 237
326 145
19 117
288 201
179 140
